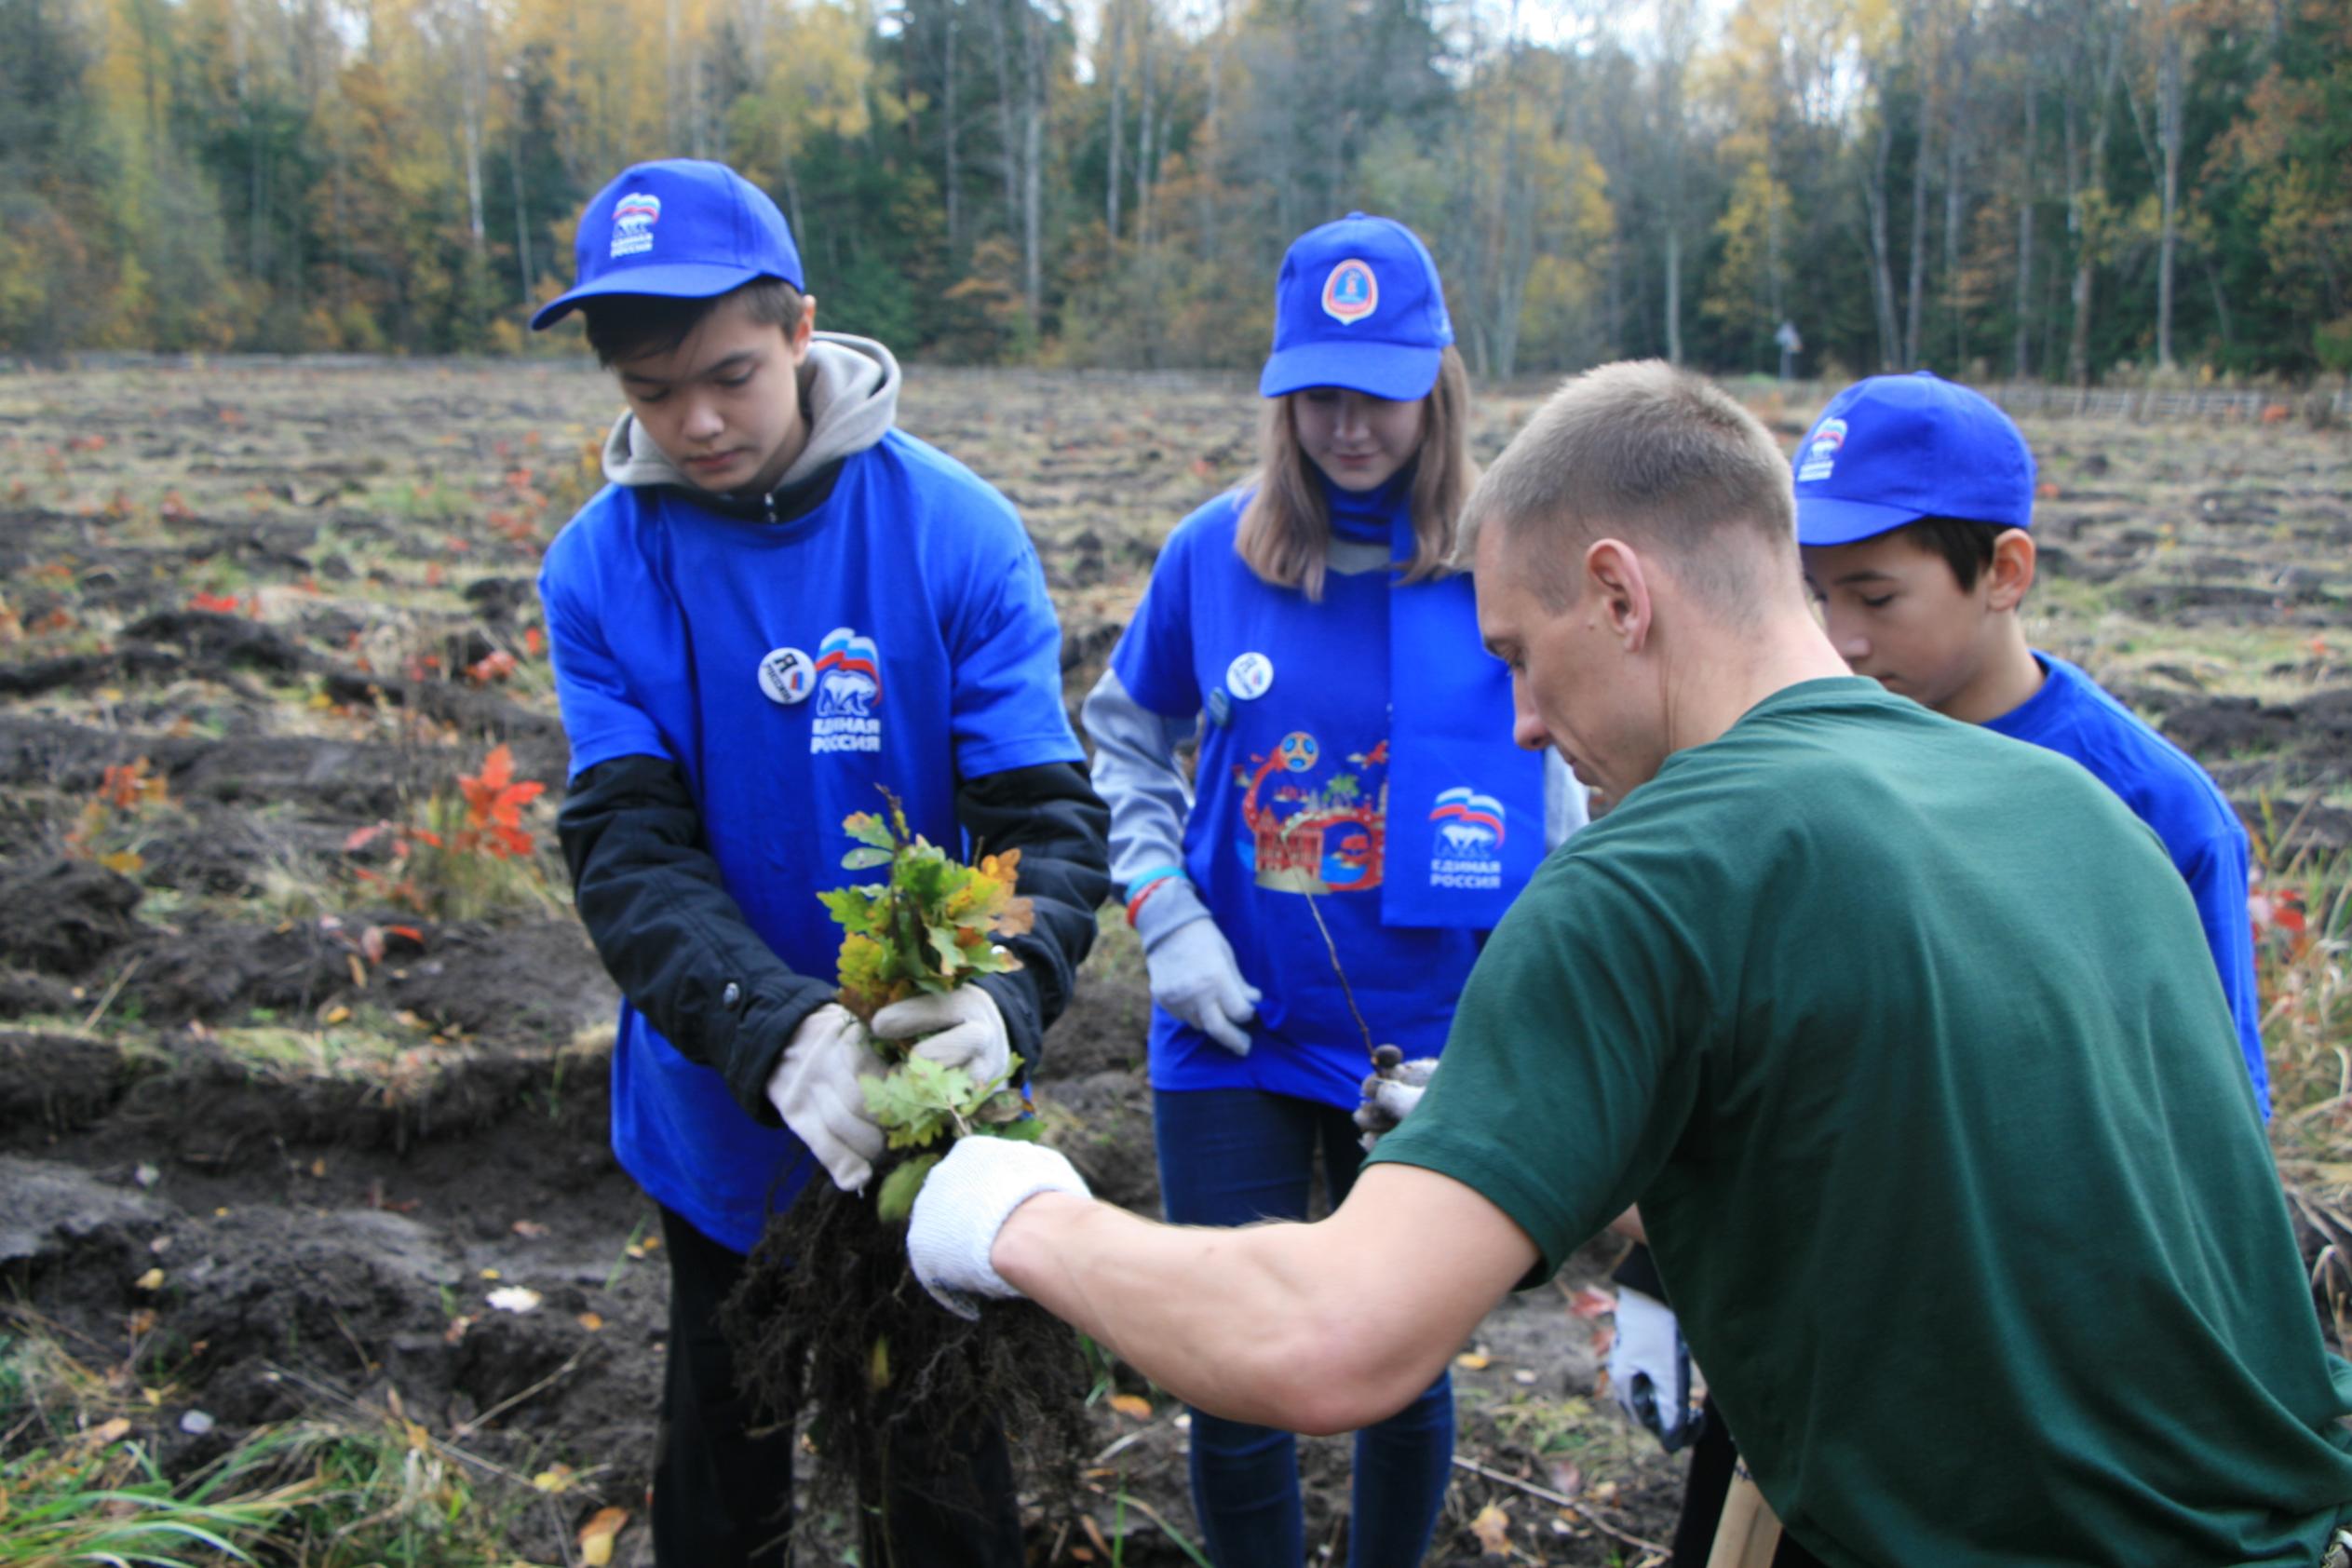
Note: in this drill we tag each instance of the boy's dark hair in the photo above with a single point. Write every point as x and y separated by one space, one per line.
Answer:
1966 547
624 326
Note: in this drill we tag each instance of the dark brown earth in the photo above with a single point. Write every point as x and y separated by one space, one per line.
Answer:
230 1051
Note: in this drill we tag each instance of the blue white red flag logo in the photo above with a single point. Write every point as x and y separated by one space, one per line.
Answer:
849 671
633 221
1821 449
1351 293
1470 822
848 689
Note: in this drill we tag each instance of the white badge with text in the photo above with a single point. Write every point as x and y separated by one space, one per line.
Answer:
786 675
1249 677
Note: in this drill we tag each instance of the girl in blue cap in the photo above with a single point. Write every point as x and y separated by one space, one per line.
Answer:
1357 818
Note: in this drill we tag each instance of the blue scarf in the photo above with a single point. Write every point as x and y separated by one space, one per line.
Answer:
1465 805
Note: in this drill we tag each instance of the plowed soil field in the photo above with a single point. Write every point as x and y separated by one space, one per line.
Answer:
293 1102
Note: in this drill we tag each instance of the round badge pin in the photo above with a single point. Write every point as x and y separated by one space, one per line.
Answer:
786 675
1248 676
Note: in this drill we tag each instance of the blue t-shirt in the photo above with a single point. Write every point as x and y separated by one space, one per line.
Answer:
899 634
1290 800
2165 788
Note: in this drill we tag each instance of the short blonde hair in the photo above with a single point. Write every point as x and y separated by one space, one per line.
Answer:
1659 455
1285 532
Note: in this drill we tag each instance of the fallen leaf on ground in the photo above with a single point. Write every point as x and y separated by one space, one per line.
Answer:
590 1322
596 1536
107 1432
1132 1404
1492 1529
150 1280
555 1477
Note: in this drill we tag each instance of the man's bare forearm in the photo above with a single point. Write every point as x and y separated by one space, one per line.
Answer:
1321 1328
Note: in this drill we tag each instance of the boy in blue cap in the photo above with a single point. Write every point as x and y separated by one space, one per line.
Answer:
779 604
1915 506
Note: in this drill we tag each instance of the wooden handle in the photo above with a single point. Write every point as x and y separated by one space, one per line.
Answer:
1748 1532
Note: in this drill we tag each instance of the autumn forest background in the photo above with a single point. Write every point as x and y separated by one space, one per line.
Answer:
2072 190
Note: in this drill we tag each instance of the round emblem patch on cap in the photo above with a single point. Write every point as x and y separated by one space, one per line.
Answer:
1248 676
786 675
1351 293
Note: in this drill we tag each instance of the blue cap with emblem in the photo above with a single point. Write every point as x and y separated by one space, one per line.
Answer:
681 228
1358 307
1894 449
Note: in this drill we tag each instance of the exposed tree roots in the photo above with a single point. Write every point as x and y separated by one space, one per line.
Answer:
894 1392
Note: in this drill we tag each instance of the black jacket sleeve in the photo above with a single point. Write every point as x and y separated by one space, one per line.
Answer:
1062 829
670 933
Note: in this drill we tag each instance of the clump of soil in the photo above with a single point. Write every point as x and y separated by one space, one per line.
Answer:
830 1324
66 915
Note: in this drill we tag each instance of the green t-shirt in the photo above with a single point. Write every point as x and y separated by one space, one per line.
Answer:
1905 1037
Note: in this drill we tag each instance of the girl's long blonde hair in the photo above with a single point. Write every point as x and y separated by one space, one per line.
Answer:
1286 533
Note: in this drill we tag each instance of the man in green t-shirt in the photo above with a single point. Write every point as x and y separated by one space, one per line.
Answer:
1903 1036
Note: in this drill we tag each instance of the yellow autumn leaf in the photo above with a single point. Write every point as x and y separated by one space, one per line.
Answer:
1132 1404
150 1280
556 1478
1492 1529
596 1536
1472 1361
123 862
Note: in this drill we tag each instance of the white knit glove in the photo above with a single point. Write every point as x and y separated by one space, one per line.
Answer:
1650 1369
817 1089
1194 978
959 1028
964 1202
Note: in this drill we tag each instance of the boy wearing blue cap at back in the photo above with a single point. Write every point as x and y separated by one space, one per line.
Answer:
1914 503
779 604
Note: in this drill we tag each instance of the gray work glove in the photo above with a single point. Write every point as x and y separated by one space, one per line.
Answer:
1393 1089
1650 1369
965 1201
818 1089
1192 971
959 1028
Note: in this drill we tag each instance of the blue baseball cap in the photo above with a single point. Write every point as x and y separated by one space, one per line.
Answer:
1359 305
681 228
1894 449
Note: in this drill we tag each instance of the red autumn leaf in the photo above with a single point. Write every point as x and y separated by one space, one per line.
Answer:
1589 1302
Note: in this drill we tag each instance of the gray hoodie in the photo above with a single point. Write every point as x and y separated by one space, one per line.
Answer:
849 396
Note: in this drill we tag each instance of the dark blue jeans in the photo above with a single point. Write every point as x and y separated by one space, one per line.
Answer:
1228 1157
